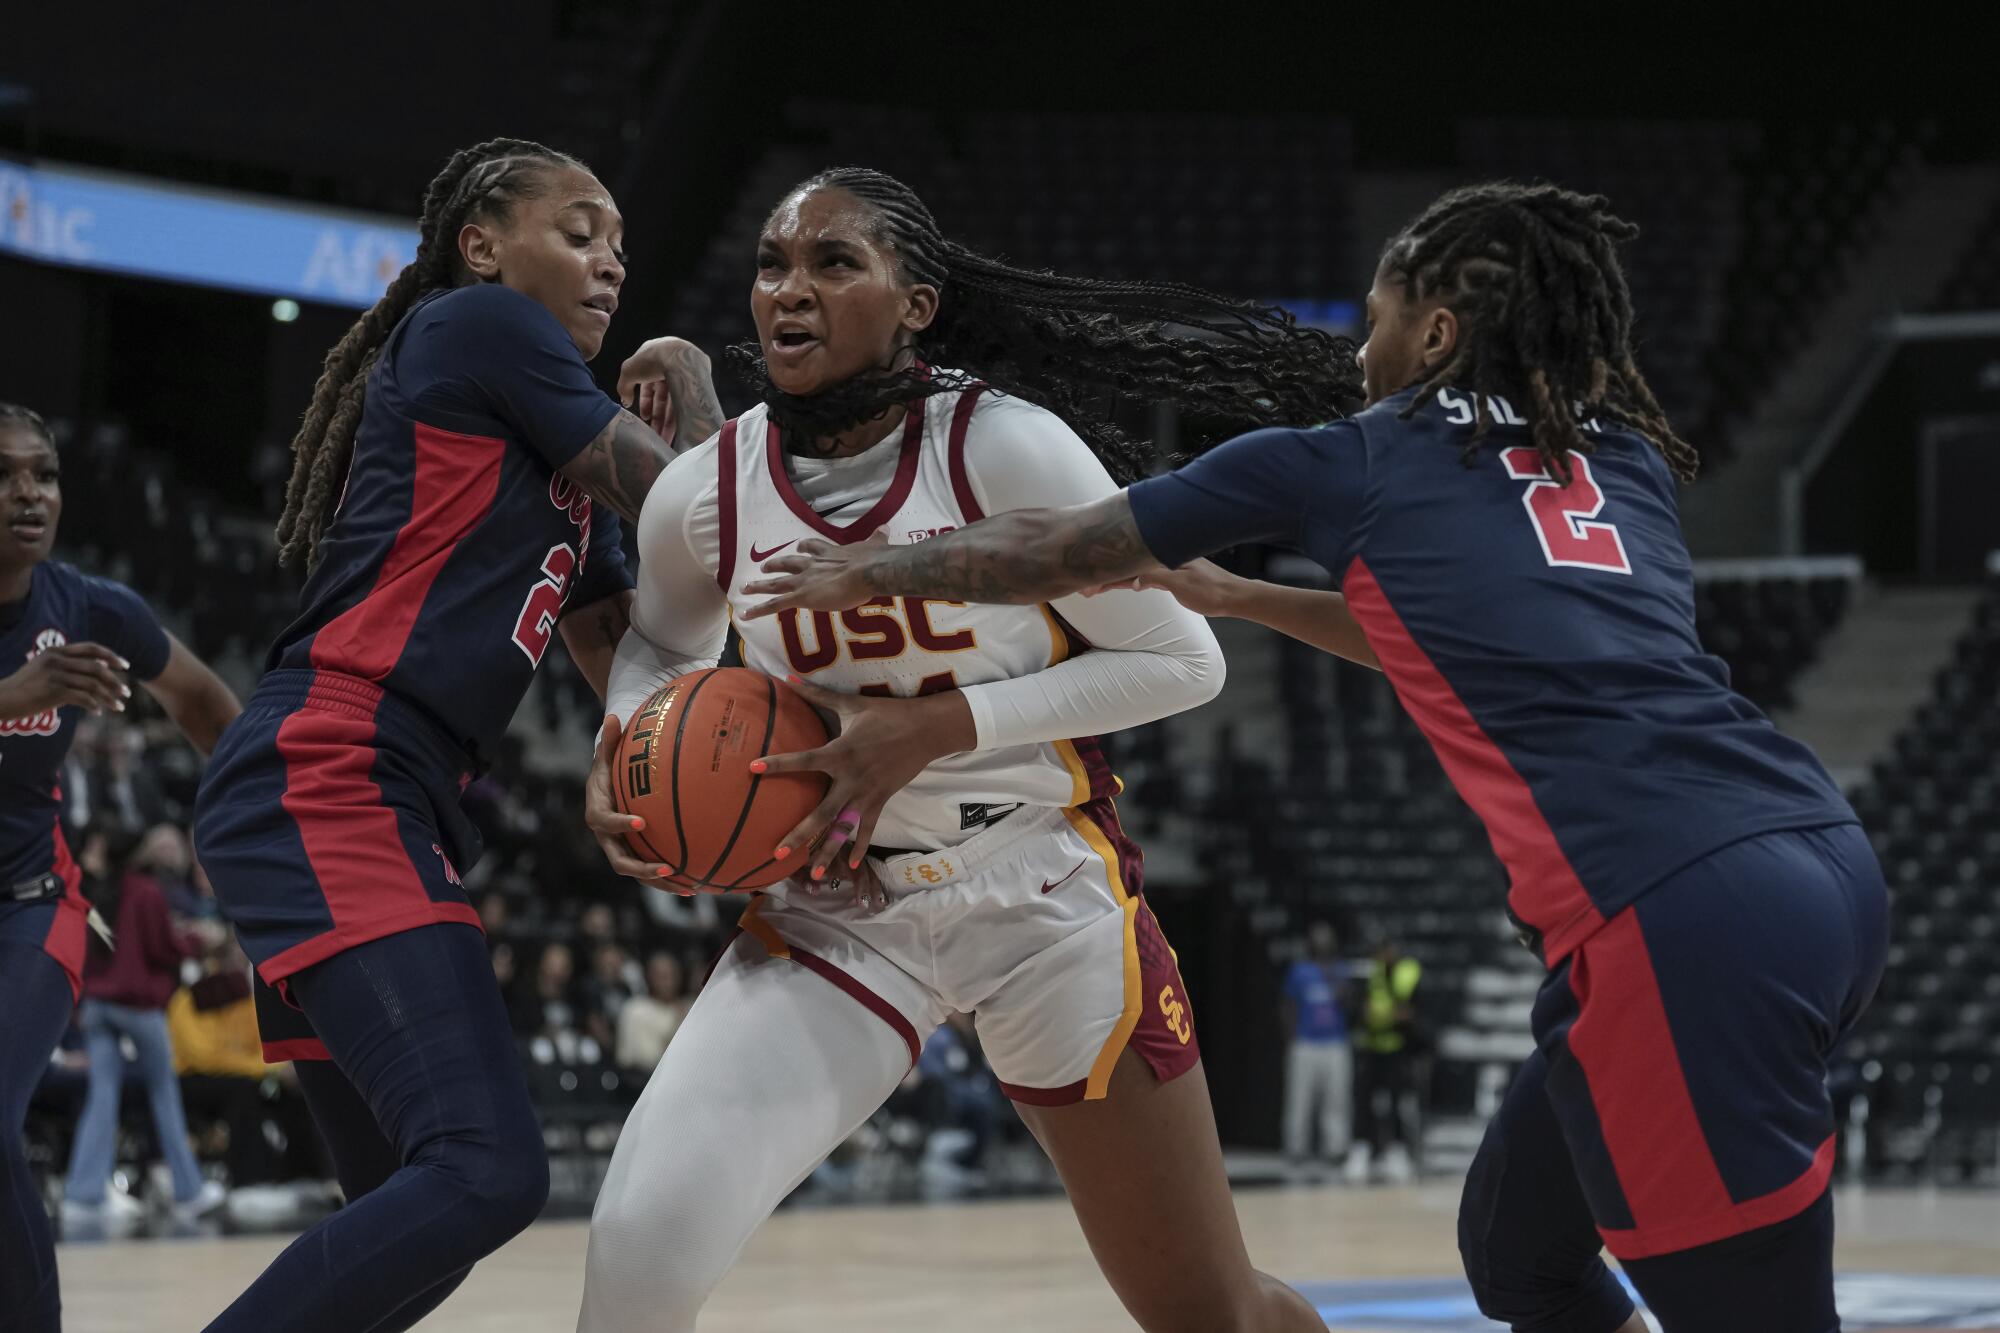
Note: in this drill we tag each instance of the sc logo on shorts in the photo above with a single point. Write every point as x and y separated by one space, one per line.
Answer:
1176 1015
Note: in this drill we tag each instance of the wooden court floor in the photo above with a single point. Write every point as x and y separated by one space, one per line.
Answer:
1000 1267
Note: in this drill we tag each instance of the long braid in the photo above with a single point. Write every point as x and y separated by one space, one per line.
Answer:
1073 345
1532 273
482 181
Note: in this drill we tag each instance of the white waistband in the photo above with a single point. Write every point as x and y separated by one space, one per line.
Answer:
949 865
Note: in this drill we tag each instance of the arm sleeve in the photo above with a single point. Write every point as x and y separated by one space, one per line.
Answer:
122 622
680 618
1256 487
1155 656
488 352
604 569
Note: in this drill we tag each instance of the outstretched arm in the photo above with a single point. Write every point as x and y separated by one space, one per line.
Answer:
669 380
1020 557
194 697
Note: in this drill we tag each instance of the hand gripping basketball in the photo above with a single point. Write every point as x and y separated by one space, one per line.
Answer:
609 826
880 745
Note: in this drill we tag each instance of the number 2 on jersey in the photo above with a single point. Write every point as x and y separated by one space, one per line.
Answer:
1562 513
544 605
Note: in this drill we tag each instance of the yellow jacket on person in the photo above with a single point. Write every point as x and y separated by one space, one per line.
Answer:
215 1041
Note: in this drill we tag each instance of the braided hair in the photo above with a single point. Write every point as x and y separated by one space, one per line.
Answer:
480 182
1532 273
1069 344
13 414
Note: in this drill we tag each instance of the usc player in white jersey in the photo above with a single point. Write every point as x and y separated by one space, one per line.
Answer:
968 855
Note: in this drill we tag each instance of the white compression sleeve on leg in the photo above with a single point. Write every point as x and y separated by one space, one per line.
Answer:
772 1069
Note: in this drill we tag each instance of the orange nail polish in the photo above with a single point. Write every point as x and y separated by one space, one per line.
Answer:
819 872
757 766
638 823
781 853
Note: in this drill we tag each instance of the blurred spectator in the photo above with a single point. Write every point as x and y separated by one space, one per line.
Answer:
597 927
494 915
648 1022
962 1092
220 1059
125 993
549 1006
1387 1059
165 854
1319 1066
614 980
504 971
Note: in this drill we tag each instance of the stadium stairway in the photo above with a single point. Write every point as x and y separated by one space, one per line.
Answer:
1873 671
1912 253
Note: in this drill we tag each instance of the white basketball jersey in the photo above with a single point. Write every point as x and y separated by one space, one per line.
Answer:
903 646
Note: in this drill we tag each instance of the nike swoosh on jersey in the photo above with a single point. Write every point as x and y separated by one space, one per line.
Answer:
1046 886
756 554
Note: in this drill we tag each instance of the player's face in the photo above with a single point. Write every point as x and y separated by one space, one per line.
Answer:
1405 338
830 300
30 497
565 247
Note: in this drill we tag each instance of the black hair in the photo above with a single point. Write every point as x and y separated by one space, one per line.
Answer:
1072 345
1532 273
482 181
13 414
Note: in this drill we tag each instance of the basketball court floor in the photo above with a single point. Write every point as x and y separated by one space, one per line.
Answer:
1373 1260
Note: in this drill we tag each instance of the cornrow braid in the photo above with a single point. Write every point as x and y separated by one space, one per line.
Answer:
1532 273
13 414
482 181
1073 345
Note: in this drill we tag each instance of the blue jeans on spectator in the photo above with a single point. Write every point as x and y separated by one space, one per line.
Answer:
96 1150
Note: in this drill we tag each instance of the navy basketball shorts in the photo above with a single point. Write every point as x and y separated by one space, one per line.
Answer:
1686 1041
329 816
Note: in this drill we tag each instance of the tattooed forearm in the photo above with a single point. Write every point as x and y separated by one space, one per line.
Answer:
1025 556
621 464
691 388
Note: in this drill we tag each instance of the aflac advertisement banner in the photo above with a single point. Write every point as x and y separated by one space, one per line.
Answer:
121 224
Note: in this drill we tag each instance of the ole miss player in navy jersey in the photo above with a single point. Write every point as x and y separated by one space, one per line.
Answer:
68 642
458 483
1502 524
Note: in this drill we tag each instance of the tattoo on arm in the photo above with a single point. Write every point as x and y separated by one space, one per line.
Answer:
1024 556
621 464
697 411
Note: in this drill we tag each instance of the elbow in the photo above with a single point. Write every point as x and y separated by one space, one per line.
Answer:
1208 672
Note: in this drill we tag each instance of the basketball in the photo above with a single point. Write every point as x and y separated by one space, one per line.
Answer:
683 766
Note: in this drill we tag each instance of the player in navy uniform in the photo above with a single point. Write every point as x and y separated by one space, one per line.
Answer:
68 643
457 479
1501 522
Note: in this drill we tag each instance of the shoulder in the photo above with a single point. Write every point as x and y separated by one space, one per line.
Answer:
687 486
100 591
484 302
484 320
1003 422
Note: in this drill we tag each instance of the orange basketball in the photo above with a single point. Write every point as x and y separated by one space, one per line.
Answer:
683 766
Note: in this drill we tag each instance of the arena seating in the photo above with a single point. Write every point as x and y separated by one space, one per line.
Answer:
1928 1054
1975 280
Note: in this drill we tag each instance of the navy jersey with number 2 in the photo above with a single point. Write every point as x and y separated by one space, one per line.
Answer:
1712 919
1541 636
329 815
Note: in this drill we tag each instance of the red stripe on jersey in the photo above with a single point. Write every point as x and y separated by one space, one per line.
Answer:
69 933
353 845
1623 1042
1765 1210
892 499
961 482
457 477
295 1048
1546 892
725 503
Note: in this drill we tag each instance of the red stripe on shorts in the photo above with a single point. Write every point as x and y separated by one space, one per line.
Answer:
69 933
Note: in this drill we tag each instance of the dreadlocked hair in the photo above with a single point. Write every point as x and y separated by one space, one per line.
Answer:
1071 345
1532 273
480 182
13 414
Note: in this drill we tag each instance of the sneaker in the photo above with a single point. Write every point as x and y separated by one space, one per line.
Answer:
1397 1168
1356 1170
117 1207
206 1200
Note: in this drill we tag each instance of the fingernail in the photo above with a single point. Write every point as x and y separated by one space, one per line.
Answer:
665 873
757 766
125 691
123 663
638 823
819 872
855 864
781 853
795 678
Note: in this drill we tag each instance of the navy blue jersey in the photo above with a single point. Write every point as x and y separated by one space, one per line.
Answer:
458 543
1541 635
64 605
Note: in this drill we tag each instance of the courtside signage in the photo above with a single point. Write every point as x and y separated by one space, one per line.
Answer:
124 224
